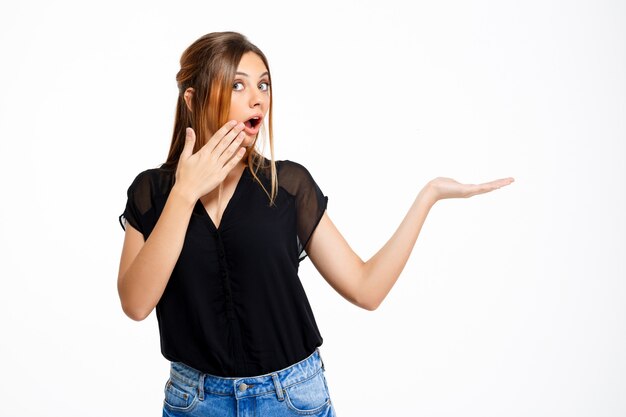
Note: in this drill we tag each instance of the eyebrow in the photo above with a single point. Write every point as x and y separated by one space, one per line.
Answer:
246 75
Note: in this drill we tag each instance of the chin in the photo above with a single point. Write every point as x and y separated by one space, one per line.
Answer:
249 142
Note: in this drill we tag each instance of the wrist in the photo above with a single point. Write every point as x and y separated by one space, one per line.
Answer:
428 195
184 195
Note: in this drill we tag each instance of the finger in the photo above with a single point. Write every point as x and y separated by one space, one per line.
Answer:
234 160
234 135
501 182
228 152
190 139
228 131
507 180
226 149
490 186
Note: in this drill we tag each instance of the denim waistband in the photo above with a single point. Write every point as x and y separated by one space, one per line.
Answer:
249 386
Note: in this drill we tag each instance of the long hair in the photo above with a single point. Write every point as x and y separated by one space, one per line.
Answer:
208 66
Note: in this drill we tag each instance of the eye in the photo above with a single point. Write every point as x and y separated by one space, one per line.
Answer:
237 86
264 86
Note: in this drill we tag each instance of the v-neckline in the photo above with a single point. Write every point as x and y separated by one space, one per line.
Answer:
200 206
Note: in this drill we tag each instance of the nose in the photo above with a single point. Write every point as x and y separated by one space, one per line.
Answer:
256 98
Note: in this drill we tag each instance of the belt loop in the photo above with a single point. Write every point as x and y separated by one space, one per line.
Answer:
201 387
321 360
278 386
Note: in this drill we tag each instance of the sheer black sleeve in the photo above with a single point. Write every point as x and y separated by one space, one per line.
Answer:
310 201
139 203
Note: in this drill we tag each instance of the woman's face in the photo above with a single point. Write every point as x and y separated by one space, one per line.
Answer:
250 99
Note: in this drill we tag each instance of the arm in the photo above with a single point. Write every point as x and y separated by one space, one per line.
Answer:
145 268
366 284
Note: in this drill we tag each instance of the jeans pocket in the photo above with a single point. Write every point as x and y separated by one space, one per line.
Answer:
309 396
179 396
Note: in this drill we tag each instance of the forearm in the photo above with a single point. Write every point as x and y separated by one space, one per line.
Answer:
381 272
142 284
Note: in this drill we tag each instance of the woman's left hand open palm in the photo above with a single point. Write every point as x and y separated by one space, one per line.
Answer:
442 187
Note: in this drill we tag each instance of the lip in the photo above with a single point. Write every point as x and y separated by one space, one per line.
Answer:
253 131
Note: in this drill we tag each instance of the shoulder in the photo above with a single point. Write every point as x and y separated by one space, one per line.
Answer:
289 168
153 180
295 178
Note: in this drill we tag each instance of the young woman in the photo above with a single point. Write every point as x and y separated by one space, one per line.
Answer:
214 237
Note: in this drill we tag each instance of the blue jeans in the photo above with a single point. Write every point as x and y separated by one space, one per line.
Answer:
298 390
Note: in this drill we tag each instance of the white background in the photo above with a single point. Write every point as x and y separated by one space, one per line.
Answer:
512 303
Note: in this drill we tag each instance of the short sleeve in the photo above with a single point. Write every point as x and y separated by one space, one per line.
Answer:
138 204
311 202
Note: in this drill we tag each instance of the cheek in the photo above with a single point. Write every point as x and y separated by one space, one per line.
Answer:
235 111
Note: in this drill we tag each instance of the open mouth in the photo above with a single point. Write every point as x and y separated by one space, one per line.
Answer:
253 122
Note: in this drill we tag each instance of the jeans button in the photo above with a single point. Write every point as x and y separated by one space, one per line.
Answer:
243 387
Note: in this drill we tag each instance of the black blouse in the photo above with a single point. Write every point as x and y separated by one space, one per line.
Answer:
234 305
